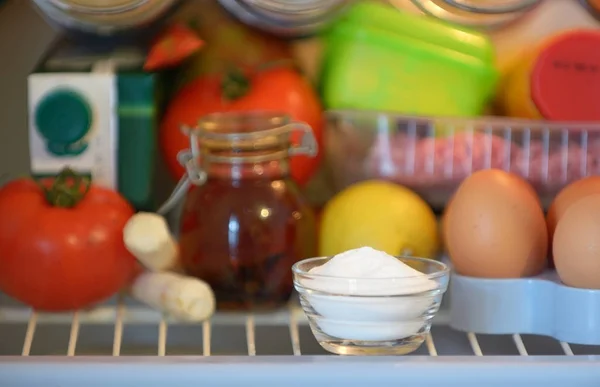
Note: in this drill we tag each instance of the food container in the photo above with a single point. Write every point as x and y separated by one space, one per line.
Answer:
95 112
106 18
244 222
541 305
380 58
291 19
484 14
557 81
354 316
433 155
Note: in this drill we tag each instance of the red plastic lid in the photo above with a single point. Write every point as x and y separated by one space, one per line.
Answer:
565 81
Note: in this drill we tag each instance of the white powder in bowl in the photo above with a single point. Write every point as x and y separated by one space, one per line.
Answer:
368 272
368 295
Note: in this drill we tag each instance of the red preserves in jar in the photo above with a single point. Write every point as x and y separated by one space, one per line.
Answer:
244 221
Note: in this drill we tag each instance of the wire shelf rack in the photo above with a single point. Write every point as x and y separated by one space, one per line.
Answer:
122 342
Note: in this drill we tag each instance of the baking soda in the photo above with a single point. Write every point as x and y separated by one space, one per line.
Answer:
368 295
369 272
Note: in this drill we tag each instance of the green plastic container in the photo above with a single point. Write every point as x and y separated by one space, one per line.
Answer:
380 58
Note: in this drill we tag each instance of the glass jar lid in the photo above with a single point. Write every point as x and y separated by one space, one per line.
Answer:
493 6
254 132
298 8
98 6
103 17
483 14
286 17
249 137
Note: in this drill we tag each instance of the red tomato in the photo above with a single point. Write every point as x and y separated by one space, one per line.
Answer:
55 258
277 89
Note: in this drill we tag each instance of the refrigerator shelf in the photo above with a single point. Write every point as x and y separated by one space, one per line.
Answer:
123 342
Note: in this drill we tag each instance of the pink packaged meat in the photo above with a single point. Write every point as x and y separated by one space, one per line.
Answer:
425 161
432 156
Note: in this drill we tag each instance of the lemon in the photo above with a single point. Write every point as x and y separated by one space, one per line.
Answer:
382 215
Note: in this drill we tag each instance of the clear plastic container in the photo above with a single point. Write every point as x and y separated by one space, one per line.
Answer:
433 155
374 316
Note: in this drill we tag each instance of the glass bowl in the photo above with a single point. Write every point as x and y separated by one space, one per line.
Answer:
371 316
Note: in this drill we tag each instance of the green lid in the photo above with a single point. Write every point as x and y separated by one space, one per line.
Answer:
63 116
374 15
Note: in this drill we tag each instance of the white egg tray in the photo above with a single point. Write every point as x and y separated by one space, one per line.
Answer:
539 305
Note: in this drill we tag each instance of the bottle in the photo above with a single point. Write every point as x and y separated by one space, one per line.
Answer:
244 222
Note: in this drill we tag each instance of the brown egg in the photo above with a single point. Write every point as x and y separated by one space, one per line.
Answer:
576 244
567 196
495 228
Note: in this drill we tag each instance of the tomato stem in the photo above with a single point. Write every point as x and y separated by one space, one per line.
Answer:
67 189
236 83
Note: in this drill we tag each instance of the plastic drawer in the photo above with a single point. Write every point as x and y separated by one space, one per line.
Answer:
433 155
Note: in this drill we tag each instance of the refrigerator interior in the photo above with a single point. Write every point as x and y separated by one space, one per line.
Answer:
123 342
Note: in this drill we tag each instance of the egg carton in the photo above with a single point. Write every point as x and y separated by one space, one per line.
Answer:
539 305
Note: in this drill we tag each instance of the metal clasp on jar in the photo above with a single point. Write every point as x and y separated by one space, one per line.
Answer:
308 143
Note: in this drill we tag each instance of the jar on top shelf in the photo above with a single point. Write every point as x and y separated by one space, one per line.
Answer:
291 19
244 222
483 14
558 81
105 17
